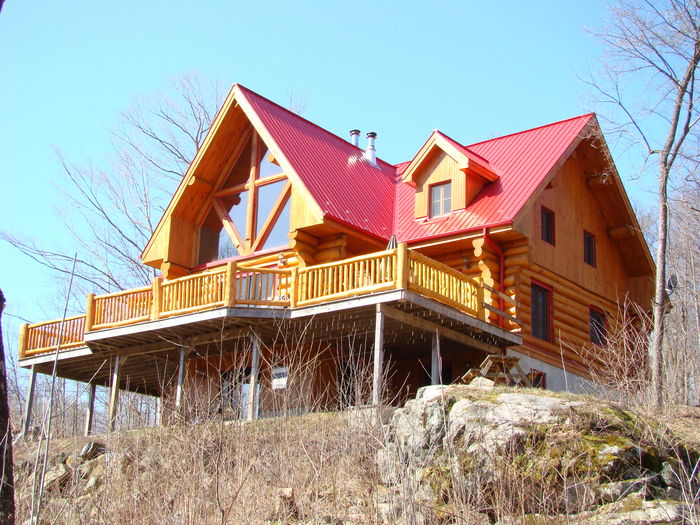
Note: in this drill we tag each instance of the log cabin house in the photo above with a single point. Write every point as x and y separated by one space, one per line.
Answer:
284 240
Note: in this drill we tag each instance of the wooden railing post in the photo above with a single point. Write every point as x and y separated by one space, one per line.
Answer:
402 266
230 284
157 298
293 287
480 300
23 339
90 312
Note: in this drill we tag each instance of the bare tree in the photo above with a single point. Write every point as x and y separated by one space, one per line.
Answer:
654 52
114 207
7 483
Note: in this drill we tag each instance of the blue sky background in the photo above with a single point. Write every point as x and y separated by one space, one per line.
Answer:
474 70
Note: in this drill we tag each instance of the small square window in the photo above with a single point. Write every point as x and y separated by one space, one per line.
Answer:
589 248
440 199
547 225
541 304
596 327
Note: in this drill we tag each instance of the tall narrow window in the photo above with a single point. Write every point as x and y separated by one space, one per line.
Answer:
440 199
541 303
547 225
596 327
589 248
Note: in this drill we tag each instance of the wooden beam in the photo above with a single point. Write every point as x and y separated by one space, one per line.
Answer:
230 228
29 403
429 326
623 231
252 194
89 415
114 394
377 375
254 373
503 314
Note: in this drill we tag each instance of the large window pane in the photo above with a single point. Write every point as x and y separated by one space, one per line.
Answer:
237 208
279 235
267 197
265 167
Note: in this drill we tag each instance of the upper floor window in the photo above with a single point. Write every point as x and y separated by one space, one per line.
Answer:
547 225
596 327
589 248
541 304
440 199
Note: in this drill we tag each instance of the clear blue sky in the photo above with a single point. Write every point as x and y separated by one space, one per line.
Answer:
401 68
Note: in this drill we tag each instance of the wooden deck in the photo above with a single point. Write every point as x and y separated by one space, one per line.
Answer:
232 287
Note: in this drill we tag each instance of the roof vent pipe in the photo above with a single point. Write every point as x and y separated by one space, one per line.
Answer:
355 137
370 152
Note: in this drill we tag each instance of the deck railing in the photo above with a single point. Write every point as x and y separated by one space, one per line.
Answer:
339 280
231 286
43 337
120 308
439 281
189 294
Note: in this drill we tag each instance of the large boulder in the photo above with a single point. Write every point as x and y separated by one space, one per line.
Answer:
503 448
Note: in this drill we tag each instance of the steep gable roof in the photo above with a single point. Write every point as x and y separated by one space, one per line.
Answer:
344 185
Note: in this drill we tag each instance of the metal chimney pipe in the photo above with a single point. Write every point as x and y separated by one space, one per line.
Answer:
371 152
355 137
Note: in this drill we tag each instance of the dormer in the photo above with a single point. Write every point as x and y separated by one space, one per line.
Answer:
447 176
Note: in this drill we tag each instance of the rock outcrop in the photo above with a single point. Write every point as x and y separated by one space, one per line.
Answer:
532 453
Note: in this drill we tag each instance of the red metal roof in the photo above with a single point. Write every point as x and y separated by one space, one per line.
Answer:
523 159
349 189
344 184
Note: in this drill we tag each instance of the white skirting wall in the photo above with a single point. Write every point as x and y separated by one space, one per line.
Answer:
557 379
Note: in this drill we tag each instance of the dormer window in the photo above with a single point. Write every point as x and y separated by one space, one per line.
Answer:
440 199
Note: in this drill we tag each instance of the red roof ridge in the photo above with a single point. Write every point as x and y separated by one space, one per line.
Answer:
591 114
248 91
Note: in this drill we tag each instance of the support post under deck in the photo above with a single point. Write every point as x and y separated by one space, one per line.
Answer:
29 403
435 361
180 378
90 414
377 376
114 394
254 373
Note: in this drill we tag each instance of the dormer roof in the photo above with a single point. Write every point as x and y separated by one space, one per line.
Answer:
467 160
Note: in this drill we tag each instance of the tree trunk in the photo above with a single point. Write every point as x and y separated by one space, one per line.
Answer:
656 351
7 483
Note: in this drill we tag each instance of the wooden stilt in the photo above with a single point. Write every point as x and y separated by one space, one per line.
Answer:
180 378
29 403
436 361
89 415
377 378
114 395
159 411
254 373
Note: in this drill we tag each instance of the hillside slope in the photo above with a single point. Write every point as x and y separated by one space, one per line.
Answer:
455 454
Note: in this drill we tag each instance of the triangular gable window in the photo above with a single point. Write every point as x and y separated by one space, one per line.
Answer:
251 211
